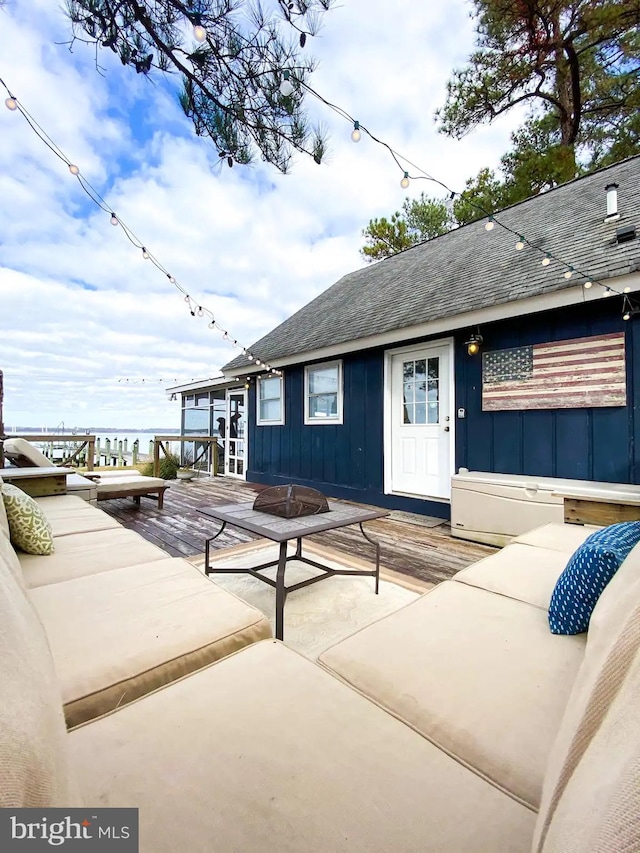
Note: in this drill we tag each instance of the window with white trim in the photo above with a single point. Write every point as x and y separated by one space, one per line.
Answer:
270 403
323 393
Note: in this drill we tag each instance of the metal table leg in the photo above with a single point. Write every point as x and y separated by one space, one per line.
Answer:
207 549
377 547
281 592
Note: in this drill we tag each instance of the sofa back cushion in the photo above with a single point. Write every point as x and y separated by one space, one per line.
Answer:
606 674
593 805
33 737
10 559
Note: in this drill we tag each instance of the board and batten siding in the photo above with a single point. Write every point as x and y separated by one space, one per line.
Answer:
346 461
581 443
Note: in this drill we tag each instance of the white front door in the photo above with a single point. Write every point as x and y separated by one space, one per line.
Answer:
420 422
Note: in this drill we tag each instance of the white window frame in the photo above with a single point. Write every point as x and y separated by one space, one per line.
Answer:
337 418
265 421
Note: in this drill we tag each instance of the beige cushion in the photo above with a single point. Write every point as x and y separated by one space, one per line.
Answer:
33 757
120 634
117 472
264 751
70 514
29 527
518 571
10 558
14 447
478 674
83 554
592 805
559 537
134 484
614 616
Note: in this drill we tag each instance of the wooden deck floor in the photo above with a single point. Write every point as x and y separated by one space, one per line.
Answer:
407 545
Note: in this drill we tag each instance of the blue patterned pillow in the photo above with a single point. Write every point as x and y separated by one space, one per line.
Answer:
587 573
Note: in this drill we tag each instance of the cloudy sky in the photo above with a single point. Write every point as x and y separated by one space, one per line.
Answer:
81 312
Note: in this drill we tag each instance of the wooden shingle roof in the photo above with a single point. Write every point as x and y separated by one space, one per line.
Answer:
469 268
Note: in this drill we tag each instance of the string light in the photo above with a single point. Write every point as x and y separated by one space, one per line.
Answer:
286 87
199 33
200 311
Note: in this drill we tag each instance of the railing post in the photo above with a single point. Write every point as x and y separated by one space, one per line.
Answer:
156 457
134 452
91 453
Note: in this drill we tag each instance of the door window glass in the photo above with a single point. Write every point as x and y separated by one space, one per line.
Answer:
421 391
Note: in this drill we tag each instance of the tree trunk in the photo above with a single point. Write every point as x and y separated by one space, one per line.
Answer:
565 93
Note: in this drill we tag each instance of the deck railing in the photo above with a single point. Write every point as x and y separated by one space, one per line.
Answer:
163 443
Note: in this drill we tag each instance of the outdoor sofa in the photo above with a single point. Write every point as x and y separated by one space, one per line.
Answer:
459 724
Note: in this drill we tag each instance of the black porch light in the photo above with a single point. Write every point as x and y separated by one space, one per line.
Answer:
473 344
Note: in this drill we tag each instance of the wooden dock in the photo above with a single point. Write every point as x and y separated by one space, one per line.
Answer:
412 545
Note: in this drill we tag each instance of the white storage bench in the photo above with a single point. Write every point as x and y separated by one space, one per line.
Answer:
493 508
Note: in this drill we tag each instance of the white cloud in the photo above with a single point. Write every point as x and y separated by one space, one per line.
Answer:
80 309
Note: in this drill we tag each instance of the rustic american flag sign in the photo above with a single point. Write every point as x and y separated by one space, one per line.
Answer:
575 374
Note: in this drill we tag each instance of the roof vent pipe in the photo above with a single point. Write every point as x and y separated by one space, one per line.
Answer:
612 202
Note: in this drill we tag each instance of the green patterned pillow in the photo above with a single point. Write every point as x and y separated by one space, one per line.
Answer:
28 526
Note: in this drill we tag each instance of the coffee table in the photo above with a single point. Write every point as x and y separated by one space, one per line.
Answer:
283 530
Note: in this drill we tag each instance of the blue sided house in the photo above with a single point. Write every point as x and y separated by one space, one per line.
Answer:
509 346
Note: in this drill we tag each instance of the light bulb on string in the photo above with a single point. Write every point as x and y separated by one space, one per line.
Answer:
355 133
199 32
249 356
546 261
171 278
587 284
489 224
187 298
568 273
200 311
286 87
212 324
626 315
404 183
520 244
627 290
607 292
11 103
114 219
74 169
145 254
